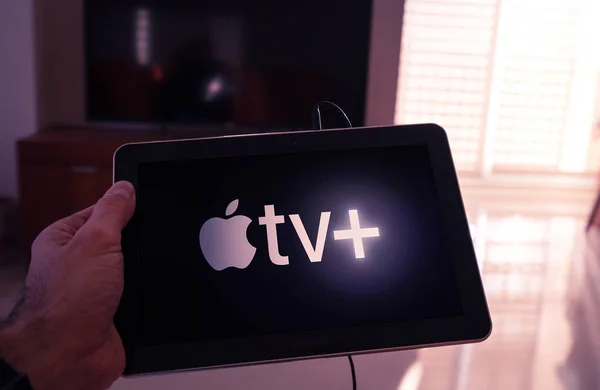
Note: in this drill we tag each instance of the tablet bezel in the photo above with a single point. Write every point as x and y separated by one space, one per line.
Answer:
473 326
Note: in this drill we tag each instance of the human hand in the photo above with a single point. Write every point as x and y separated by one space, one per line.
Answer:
61 332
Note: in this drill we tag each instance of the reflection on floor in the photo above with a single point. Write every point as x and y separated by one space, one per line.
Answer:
528 253
539 270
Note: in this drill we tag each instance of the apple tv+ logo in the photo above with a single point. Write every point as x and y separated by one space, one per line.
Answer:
224 243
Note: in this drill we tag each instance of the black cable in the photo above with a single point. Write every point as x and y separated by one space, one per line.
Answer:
316 114
352 372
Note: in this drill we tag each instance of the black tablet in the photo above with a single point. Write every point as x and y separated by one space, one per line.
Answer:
274 247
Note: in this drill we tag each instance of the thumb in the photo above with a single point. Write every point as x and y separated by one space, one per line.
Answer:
115 208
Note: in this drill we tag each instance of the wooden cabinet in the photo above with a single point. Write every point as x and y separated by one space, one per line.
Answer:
61 172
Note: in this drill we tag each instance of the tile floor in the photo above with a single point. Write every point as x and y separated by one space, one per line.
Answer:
539 271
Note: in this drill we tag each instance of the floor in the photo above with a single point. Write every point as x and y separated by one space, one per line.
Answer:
12 273
539 270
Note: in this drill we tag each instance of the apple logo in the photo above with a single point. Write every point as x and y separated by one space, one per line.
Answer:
223 241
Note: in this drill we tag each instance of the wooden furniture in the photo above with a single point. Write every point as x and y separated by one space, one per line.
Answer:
62 171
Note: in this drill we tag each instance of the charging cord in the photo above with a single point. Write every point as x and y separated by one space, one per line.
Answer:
352 372
318 125
316 114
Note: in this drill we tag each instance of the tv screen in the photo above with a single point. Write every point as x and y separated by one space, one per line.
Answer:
262 63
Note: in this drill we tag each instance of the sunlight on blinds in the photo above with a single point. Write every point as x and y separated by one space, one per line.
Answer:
514 82
444 64
536 47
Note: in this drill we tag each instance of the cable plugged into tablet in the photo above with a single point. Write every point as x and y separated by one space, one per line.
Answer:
318 125
317 121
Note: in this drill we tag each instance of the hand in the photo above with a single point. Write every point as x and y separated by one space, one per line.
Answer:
61 332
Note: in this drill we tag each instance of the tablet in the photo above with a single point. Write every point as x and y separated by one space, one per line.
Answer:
274 247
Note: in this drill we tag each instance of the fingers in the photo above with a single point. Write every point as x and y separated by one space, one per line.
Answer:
77 220
109 215
115 208
73 222
61 231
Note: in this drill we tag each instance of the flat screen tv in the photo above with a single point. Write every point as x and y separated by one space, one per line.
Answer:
259 63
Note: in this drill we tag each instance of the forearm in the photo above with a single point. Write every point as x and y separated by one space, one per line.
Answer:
11 334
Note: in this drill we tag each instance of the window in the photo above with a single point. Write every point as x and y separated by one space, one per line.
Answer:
514 82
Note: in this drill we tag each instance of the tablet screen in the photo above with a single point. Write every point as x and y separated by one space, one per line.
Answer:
274 244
